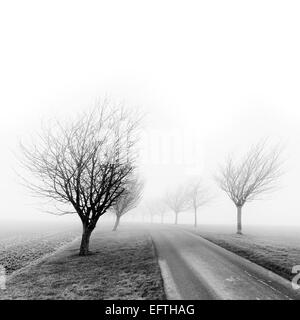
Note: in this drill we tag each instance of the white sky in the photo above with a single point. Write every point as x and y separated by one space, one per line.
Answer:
215 75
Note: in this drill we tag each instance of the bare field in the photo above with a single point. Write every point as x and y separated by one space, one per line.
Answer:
275 248
122 265
18 251
24 242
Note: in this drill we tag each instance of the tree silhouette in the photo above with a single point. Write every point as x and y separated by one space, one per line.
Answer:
255 174
84 164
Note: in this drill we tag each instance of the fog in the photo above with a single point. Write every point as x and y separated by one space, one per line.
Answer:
211 77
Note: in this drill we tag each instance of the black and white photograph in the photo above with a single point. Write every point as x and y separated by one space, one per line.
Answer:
150 153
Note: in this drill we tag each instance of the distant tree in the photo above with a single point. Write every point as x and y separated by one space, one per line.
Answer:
129 199
86 163
149 209
198 196
177 201
158 208
161 209
152 208
254 175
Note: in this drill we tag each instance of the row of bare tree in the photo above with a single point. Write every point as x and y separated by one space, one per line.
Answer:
186 197
191 195
89 164
243 180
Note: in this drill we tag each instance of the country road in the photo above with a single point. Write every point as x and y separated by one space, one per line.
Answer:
194 268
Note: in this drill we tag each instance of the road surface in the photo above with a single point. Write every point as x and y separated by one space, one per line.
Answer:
196 269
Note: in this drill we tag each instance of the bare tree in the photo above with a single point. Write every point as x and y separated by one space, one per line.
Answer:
157 207
149 210
254 175
128 200
177 201
84 164
161 209
198 196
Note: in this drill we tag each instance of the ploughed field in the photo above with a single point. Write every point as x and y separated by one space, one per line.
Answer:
17 251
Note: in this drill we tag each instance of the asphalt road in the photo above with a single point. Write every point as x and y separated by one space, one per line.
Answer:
194 268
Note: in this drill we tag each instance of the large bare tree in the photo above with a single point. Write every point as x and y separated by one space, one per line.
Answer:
255 174
198 196
84 164
128 200
177 200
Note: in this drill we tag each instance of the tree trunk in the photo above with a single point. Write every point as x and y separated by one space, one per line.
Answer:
85 241
195 212
176 217
116 223
239 220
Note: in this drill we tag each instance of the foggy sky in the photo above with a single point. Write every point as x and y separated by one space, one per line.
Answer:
213 77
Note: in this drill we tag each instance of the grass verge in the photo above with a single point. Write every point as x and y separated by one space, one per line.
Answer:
122 266
278 257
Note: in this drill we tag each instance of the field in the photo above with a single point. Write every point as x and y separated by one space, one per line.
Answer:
275 248
23 243
18 251
123 266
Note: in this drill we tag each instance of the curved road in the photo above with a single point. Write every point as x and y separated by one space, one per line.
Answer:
196 269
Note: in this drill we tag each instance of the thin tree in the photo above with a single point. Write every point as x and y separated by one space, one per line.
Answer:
161 209
255 174
198 196
84 164
128 200
158 208
177 201
149 209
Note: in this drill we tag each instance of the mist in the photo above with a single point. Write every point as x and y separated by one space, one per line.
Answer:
211 78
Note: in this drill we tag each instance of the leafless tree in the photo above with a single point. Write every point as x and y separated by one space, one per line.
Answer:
157 207
128 200
161 209
149 210
254 175
85 163
198 196
177 201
